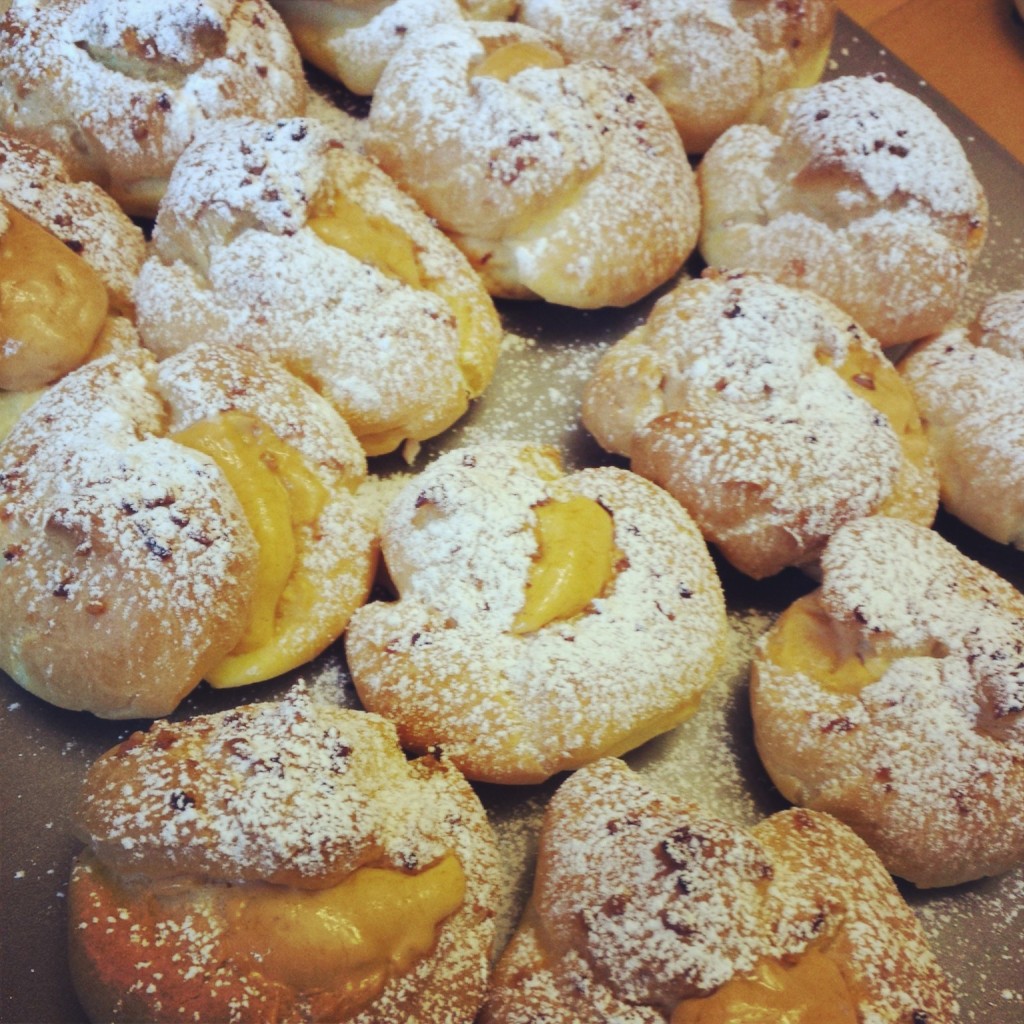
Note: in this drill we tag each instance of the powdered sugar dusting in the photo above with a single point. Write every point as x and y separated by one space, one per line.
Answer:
894 143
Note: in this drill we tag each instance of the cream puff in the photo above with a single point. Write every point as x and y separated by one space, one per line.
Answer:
968 382
893 698
275 237
856 189
543 618
353 40
647 909
770 414
165 524
118 88
280 862
565 182
69 257
712 66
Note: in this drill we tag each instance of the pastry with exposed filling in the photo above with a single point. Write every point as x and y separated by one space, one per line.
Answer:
281 862
565 182
893 698
543 619
277 238
768 413
353 40
856 189
649 910
69 256
968 382
163 524
118 88
711 65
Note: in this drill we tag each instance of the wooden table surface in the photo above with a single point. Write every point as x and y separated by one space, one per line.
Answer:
972 51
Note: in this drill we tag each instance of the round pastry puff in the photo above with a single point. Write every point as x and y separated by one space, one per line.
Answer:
118 88
969 385
893 698
274 237
69 256
543 619
768 413
352 40
565 182
281 862
647 909
856 189
134 565
712 67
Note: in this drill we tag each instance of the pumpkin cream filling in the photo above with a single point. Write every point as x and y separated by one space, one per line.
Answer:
282 499
374 240
575 562
836 655
505 62
350 939
810 991
53 305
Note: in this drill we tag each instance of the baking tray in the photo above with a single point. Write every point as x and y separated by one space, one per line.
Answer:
975 929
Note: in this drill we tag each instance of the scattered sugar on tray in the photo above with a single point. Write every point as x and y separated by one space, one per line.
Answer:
701 759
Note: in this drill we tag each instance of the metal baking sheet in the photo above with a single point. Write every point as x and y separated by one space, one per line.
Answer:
975 929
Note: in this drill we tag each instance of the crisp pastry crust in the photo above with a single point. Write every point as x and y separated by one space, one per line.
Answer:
904 630
564 182
857 190
118 88
969 385
643 906
395 331
129 564
450 662
768 413
711 65
190 822
353 40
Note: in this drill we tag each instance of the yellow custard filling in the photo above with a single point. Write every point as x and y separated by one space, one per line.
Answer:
53 305
371 238
811 991
279 493
878 383
354 936
575 562
507 61
808 640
